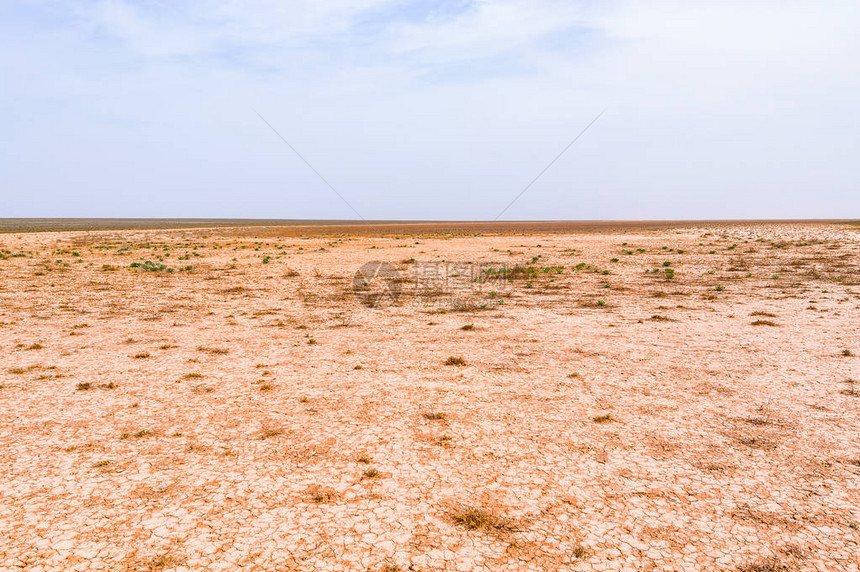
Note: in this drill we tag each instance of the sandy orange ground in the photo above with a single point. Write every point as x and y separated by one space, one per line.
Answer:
259 416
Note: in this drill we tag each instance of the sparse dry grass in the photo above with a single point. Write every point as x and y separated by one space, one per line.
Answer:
659 318
271 432
479 518
371 473
320 494
213 351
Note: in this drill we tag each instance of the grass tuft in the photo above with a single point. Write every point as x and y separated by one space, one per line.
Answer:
319 494
269 433
478 518
214 351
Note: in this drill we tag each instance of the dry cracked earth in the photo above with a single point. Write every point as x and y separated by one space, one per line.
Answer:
252 398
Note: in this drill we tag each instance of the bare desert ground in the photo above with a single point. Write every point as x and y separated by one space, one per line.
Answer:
485 399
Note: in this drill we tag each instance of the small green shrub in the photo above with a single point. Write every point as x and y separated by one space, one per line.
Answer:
149 266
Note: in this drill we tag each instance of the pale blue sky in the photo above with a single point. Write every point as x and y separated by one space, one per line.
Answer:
430 110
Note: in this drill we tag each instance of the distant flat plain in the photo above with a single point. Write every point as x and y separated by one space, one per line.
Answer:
317 226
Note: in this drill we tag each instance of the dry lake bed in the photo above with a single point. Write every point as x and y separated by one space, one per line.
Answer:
425 398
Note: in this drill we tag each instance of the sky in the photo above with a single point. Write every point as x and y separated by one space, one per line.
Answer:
430 110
